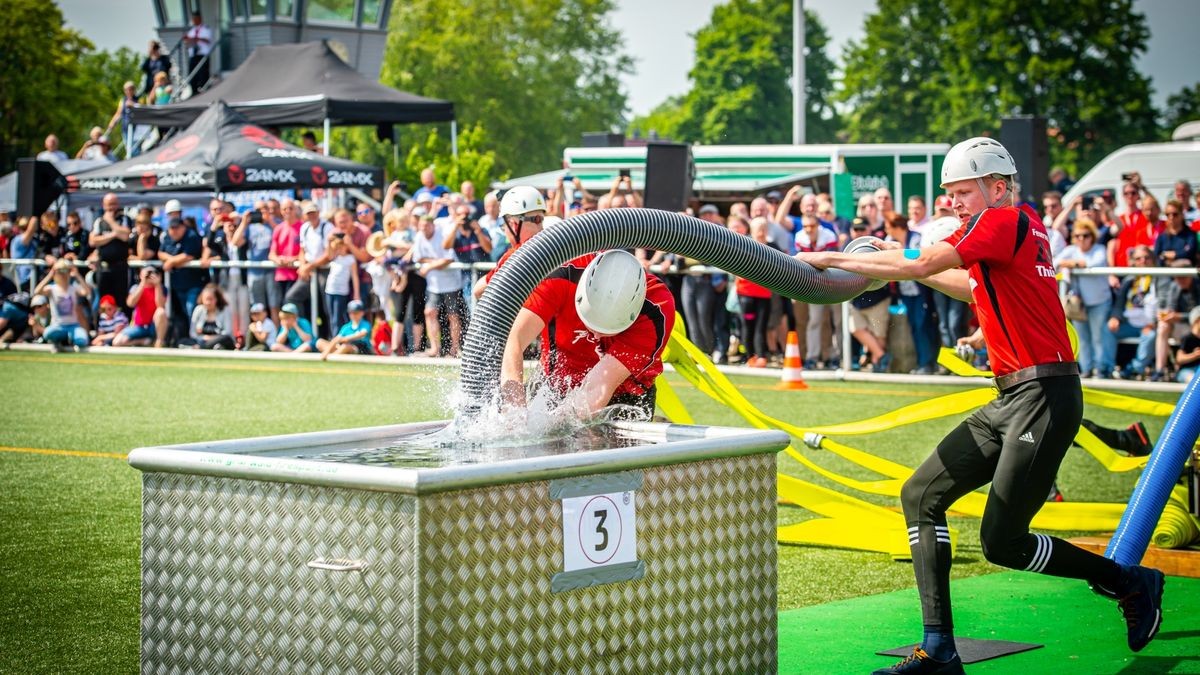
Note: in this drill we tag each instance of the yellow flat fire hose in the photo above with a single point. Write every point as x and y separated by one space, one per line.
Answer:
854 523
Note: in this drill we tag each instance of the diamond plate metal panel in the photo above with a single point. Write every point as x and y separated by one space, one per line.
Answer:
225 586
706 532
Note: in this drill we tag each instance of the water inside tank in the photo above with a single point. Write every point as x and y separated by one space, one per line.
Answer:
442 448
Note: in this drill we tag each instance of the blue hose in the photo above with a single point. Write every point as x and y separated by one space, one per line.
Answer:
1150 494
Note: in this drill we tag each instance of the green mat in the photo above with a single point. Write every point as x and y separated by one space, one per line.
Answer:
1082 632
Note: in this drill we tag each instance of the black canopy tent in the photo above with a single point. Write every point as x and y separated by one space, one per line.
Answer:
221 151
304 84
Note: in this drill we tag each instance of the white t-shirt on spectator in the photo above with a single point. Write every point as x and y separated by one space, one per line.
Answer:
203 33
826 241
56 156
340 269
314 239
443 280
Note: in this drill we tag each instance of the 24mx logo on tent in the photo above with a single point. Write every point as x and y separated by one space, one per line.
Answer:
254 175
351 178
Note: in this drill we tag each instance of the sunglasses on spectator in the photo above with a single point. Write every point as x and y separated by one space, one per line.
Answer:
1172 214
1082 235
1131 192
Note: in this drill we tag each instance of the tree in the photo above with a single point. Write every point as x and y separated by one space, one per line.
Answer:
1182 106
473 162
741 90
102 74
661 122
38 65
535 74
943 70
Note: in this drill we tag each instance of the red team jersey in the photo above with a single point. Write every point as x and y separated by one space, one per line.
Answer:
1007 253
570 350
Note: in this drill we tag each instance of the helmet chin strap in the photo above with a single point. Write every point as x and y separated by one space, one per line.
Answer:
1005 199
515 230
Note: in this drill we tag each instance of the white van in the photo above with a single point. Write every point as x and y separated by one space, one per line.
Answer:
1160 164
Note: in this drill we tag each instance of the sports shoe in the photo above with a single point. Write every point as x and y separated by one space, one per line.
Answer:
1140 600
1139 440
920 663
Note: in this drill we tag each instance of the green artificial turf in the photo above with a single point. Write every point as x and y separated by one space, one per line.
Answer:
71 523
1081 632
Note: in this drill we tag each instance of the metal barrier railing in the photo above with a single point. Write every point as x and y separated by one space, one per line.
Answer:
663 269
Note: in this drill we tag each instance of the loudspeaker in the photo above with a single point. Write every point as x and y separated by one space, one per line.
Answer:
603 139
38 185
668 176
1025 138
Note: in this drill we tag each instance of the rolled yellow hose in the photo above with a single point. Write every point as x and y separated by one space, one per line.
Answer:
1177 528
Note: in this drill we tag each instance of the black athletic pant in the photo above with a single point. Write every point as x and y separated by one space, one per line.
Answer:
756 312
1016 443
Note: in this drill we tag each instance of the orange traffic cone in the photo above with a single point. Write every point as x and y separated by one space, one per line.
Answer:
792 366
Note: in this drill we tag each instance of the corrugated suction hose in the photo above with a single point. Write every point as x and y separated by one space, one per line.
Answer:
633 228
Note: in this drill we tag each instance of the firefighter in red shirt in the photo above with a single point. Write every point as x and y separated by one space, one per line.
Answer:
523 211
999 259
604 323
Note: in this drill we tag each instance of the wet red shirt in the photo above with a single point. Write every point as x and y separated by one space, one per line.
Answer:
1006 251
570 350
499 263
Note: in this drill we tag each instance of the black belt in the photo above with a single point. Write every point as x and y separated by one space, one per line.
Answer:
1035 372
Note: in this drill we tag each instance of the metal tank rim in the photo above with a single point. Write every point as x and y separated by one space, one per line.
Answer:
235 458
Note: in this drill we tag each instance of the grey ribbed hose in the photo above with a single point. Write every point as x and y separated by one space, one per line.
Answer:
628 228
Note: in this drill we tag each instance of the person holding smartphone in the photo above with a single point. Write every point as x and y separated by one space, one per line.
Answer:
468 241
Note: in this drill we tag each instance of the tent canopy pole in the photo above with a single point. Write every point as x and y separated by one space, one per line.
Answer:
326 137
454 138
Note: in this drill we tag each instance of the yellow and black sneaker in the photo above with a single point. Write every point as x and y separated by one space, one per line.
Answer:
920 663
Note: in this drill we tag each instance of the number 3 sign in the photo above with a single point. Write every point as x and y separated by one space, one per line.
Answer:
599 530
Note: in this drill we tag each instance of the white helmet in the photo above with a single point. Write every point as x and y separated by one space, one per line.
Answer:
938 230
610 294
520 200
976 158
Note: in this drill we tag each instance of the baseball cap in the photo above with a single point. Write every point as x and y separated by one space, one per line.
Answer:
38 301
257 307
419 211
709 208
354 306
424 198
108 300
774 196
859 224
175 222
289 308
944 202
309 207
172 206
1194 315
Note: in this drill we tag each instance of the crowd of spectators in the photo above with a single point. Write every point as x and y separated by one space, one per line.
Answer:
1156 315
384 285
